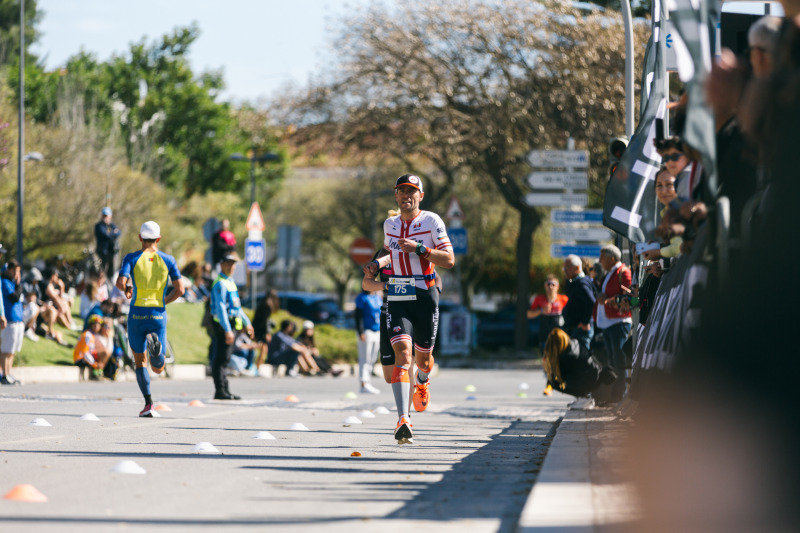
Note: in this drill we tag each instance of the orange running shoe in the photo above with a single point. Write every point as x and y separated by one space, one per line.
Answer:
548 391
402 432
421 395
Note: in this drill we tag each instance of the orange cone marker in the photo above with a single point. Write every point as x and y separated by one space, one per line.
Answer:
196 403
25 493
162 407
291 398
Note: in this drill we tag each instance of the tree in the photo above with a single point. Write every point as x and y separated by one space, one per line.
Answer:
166 117
473 90
9 30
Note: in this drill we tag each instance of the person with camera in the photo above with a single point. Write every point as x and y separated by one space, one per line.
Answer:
615 322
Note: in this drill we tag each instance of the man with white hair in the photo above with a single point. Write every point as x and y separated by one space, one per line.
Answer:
615 323
580 304
149 270
762 38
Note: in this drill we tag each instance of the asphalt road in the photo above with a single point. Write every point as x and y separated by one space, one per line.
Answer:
475 457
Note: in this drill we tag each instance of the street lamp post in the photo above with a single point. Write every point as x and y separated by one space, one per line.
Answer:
253 158
21 139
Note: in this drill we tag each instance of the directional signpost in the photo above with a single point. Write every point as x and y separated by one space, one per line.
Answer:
555 172
558 180
567 233
560 251
534 199
584 216
558 158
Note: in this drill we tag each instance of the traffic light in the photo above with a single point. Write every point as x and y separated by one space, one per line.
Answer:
616 147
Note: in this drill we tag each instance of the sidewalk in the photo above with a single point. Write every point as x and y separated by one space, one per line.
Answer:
582 486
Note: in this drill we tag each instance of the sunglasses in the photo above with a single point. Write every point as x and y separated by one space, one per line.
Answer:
672 157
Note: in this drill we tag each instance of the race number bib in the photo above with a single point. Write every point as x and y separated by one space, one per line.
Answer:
402 289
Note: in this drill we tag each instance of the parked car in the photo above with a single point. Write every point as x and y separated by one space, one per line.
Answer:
497 329
318 308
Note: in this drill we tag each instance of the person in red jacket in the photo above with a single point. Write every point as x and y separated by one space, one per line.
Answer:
616 324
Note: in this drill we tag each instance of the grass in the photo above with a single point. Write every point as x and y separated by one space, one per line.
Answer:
188 338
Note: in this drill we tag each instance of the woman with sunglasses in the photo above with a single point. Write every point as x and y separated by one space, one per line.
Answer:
673 156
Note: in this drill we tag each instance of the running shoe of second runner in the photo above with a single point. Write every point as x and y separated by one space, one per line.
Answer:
422 396
147 412
402 432
154 351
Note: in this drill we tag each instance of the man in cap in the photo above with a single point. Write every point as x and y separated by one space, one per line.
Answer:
228 317
417 242
107 235
149 271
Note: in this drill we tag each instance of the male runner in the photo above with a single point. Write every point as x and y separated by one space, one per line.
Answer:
148 271
417 242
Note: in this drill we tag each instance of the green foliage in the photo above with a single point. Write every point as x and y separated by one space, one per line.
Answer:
166 118
9 30
188 339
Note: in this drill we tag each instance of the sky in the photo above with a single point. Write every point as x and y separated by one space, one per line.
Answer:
260 44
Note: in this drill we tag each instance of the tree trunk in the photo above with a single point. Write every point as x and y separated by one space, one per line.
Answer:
527 225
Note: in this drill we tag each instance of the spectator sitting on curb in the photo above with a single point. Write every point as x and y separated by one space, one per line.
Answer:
306 338
285 350
90 350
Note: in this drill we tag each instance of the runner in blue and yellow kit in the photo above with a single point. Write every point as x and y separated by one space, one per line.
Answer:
148 271
226 310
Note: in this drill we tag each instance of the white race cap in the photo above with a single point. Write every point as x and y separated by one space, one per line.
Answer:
150 230
308 325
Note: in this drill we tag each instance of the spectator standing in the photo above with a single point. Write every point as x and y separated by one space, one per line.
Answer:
548 308
577 312
222 242
666 194
616 324
368 314
106 233
673 155
263 326
14 330
228 317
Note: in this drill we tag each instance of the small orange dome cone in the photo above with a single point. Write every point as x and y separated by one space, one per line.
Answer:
162 407
196 403
25 493
291 398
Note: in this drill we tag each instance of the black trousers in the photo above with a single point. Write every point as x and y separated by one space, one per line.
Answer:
221 359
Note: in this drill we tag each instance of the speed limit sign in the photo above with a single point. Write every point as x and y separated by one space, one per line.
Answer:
255 254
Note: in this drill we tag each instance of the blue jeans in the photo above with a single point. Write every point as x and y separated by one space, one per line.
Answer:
614 338
584 338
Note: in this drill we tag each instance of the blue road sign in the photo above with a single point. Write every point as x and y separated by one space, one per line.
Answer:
585 216
255 254
458 238
560 251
